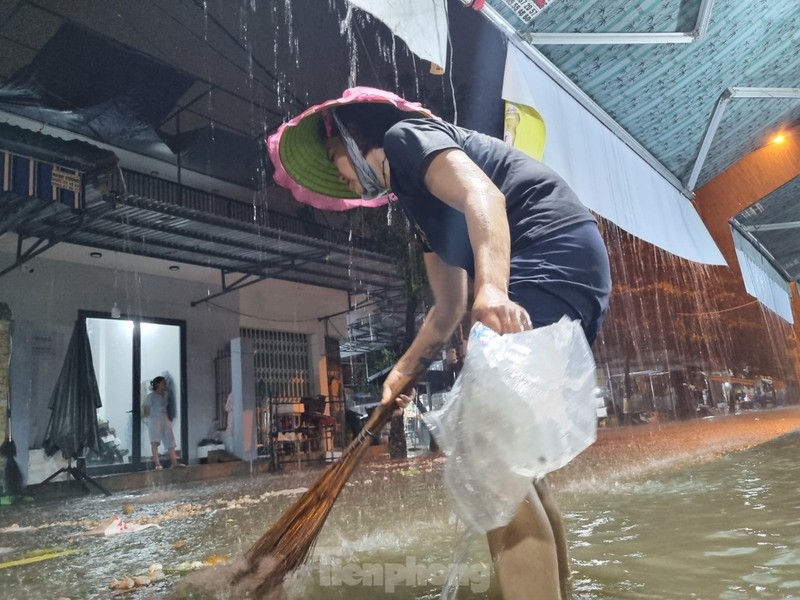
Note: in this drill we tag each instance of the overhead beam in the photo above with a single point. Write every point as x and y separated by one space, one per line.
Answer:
582 98
761 249
772 226
245 280
56 234
703 19
604 39
698 32
332 240
719 110
220 242
18 209
711 130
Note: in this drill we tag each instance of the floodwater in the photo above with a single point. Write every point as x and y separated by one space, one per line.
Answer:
726 529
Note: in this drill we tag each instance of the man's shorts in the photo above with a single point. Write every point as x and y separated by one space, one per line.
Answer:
160 430
567 273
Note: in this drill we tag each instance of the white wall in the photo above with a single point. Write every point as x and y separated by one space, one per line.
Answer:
45 305
297 308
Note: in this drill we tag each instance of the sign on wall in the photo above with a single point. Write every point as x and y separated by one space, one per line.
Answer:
47 181
527 10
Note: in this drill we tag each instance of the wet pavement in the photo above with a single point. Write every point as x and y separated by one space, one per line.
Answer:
388 508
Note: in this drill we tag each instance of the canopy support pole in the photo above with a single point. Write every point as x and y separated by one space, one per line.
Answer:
78 474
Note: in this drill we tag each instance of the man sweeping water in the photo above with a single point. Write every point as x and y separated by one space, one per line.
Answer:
482 210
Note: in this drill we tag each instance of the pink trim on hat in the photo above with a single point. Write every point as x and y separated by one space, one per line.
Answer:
303 194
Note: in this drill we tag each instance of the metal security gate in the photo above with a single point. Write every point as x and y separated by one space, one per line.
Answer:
223 386
293 427
282 365
282 370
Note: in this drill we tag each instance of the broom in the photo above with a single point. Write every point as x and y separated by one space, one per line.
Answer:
12 476
289 541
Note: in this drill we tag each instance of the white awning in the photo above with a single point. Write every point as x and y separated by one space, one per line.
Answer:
761 279
608 176
421 24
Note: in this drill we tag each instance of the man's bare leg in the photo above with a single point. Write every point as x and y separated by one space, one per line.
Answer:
156 459
525 556
559 533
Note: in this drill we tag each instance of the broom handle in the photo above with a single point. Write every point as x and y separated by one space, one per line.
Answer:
383 414
9 435
293 535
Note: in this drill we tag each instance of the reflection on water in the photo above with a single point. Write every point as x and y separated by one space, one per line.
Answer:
727 529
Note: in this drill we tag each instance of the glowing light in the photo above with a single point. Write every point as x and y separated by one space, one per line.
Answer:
778 139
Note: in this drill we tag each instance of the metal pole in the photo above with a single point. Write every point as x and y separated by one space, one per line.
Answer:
178 136
669 386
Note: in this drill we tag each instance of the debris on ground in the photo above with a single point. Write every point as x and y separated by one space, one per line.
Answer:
196 565
116 526
154 573
37 556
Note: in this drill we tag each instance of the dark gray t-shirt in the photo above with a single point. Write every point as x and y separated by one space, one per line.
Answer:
538 200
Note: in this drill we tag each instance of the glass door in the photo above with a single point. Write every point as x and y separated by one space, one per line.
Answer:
127 354
112 356
160 355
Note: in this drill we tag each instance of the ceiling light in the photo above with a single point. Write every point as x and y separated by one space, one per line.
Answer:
174 268
96 254
778 139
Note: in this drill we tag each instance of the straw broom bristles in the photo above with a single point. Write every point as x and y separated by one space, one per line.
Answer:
291 538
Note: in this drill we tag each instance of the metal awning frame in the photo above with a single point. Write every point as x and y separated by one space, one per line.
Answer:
247 279
719 110
243 253
697 33
56 235
541 61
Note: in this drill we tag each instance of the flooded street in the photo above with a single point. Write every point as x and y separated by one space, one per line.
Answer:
229 229
725 529
643 528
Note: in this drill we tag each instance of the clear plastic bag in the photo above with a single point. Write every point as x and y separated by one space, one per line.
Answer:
522 406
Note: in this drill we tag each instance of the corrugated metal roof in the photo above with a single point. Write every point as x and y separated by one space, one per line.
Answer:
664 94
774 223
186 225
